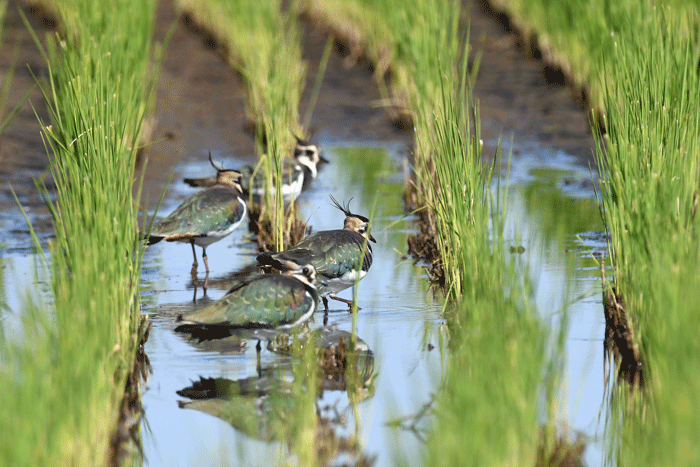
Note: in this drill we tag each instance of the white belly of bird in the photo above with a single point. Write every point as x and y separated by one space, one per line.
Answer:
289 191
337 284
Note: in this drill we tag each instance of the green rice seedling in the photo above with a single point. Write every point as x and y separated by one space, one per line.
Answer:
497 343
263 43
495 338
638 61
638 64
65 381
651 157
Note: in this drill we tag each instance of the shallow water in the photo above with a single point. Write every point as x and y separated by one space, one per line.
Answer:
399 318
551 213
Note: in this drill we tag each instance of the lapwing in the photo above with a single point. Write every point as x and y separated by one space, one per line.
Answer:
205 217
278 303
341 257
296 173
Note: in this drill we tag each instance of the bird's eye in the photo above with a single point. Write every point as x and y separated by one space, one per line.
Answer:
305 271
309 152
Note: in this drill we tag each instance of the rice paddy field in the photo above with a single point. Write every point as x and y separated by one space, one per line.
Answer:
528 169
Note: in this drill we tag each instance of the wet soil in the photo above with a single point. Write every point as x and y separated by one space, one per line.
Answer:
621 346
22 154
201 105
522 96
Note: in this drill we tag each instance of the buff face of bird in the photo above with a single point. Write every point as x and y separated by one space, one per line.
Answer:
231 178
308 156
357 223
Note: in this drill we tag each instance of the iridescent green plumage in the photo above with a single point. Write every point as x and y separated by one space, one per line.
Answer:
334 253
206 213
205 217
261 301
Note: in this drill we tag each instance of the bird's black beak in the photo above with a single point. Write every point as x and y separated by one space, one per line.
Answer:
372 238
322 159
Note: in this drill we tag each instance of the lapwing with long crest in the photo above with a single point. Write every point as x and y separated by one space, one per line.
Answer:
205 217
296 173
341 257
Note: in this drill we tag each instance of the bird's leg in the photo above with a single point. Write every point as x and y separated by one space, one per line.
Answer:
348 302
325 318
325 302
194 254
206 282
204 257
258 366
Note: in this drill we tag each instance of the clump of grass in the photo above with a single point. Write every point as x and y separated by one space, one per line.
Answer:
497 343
651 157
68 377
263 43
638 61
496 340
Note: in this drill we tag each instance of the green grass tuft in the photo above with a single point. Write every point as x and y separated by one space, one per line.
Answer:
70 369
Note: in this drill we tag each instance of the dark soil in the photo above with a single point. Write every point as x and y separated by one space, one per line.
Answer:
126 439
522 96
620 342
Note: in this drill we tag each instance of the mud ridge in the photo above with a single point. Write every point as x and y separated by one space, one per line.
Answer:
262 226
126 436
557 70
620 342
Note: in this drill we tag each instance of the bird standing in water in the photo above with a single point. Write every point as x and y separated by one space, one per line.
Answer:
341 257
275 302
205 217
296 173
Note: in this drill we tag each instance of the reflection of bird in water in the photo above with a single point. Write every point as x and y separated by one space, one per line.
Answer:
205 217
296 173
336 255
261 406
255 406
335 357
219 282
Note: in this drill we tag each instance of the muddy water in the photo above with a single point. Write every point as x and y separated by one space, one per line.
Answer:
200 107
